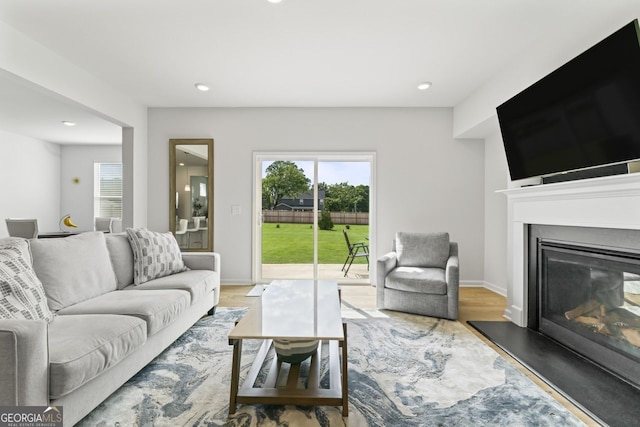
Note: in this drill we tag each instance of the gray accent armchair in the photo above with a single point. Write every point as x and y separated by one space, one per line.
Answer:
420 275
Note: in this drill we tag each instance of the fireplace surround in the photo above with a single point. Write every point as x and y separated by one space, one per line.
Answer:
608 203
608 206
567 222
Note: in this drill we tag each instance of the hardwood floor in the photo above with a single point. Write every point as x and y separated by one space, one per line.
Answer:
475 304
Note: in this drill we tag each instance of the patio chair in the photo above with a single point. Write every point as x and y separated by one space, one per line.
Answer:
420 275
356 250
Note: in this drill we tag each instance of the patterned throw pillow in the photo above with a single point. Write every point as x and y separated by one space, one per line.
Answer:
21 293
154 254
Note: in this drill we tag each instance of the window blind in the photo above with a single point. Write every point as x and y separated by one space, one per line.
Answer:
108 190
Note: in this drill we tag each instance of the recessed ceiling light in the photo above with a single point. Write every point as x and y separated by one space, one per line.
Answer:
275 1
67 123
181 164
202 87
424 85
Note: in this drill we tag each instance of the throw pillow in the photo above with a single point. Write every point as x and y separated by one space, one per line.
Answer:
422 249
154 254
121 258
73 269
21 293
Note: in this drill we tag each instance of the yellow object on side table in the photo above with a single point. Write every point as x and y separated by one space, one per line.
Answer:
65 221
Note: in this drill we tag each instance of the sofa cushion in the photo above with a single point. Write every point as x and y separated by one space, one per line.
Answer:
157 308
21 293
121 258
73 269
81 347
197 282
422 249
417 279
154 254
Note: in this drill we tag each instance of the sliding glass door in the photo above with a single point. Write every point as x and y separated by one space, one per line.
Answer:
313 216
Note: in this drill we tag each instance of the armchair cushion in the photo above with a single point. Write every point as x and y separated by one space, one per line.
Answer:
422 249
417 279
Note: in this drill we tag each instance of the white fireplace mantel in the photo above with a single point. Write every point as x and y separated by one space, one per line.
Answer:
608 202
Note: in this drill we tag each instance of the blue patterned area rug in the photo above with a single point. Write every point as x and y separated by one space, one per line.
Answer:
404 370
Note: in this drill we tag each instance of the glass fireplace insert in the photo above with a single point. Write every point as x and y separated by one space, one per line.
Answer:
588 298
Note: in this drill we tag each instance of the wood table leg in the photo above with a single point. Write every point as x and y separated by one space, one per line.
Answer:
235 374
345 374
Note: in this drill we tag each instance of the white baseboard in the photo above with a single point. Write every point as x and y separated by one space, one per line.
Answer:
463 284
495 288
236 282
483 284
472 284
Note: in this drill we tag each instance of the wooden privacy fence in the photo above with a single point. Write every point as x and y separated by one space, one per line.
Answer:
306 217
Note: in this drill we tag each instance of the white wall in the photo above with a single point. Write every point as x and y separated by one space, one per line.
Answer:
30 179
426 180
475 117
54 74
536 62
496 177
77 161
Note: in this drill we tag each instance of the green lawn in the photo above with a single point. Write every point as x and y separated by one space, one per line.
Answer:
293 244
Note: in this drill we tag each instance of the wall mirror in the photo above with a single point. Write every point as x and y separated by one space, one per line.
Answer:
191 193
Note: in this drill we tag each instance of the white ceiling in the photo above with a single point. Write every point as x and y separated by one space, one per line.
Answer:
303 53
32 111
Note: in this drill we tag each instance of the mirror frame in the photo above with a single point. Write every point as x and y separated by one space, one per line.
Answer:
173 144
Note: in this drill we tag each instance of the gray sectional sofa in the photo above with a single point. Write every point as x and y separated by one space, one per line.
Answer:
104 325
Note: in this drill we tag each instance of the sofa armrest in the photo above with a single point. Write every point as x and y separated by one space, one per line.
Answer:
202 260
452 277
24 363
384 265
452 271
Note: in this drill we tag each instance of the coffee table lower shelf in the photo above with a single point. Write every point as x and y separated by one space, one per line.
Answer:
290 394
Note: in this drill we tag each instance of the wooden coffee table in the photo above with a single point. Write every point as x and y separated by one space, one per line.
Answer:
290 310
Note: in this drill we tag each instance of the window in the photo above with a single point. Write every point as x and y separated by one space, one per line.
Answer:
107 190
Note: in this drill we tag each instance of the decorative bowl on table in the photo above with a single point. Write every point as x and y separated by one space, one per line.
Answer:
295 351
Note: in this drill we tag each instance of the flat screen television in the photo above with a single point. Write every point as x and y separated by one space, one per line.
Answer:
584 114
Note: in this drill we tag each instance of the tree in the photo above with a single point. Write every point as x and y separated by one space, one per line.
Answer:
362 198
347 198
283 180
325 222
